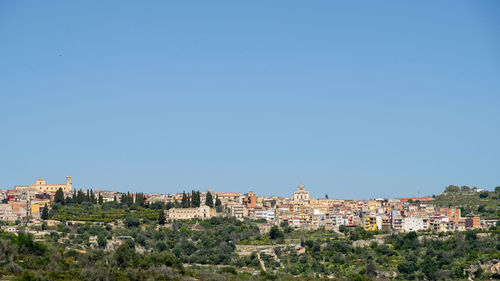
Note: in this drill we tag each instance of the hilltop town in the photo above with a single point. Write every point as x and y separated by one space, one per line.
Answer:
25 204
56 232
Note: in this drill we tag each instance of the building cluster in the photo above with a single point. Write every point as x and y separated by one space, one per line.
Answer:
26 202
305 212
300 211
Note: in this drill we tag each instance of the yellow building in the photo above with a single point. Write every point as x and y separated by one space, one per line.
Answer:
41 186
370 223
226 196
36 207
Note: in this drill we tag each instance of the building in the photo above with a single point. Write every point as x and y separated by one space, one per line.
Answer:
250 199
472 221
41 186
301 194
226 196
453 214
413 224
370 223
237 210
265 214
202 212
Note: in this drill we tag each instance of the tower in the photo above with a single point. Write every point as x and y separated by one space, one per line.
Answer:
68 184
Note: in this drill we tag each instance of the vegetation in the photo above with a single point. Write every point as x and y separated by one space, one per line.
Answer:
207 250
132 240
485 203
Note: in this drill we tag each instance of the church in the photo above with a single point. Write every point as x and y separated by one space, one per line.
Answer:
301 194
41 186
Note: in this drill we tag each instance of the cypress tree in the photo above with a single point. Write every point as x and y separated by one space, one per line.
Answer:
195 199
45 212
59 197
161 217
80 197
209 201
184 202
100 199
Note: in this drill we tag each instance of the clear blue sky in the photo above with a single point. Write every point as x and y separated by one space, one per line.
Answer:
355 99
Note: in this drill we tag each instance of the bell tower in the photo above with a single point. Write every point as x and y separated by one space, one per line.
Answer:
68 183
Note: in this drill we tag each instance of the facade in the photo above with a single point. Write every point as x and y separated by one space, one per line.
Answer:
472 221
226 196
301 194
413 224
453 214
202 212
41 186
250 200
237 210
265 214
370 223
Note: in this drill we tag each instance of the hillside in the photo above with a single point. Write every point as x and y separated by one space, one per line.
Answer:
485 203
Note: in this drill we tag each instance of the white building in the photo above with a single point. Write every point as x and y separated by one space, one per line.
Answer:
413 224
338 220
378 219
265 214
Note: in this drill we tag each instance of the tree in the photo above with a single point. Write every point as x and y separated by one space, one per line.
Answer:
59 197
129 198
497 189
195 199
132 222
161 217
45 212
286 227
101 240
80 197
218 205
481 209
465 188
326 196
371 269
140 199
92 197
209 201
184 201
100 199
125 253
275 233
452 188
483 194
343 229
